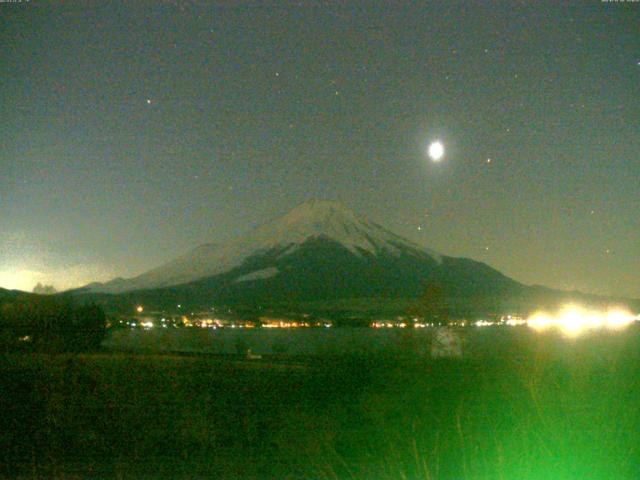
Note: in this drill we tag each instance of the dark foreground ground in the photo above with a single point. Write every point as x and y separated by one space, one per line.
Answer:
528 407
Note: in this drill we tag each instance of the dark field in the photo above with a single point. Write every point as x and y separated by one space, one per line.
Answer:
519 406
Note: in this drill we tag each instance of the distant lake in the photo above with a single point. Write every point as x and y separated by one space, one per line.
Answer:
294 341
485 341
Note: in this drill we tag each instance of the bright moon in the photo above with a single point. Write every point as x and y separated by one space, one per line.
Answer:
436 150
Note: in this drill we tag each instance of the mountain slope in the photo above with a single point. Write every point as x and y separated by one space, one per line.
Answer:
314 219
322 269
323 253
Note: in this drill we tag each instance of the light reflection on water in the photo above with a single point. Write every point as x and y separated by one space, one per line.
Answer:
489 341
316 341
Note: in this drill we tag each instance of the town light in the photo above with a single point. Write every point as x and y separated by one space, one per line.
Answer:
573 320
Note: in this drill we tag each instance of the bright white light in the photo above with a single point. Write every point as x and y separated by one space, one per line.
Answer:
618 319
540 321
483 323
573 320
514 322
436 151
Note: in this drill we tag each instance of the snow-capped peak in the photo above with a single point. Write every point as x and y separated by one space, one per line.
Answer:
312 219
331 220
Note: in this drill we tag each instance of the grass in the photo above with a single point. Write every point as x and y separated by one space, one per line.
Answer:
520 406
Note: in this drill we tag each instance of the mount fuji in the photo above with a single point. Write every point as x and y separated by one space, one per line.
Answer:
320 252
311 224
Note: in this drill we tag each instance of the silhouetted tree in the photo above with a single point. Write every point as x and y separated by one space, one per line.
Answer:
44 289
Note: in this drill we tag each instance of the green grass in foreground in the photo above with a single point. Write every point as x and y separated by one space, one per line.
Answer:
537 408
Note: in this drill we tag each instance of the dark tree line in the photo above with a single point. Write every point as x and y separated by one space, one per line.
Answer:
50 324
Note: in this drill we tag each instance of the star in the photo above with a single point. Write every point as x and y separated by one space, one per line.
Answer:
488 160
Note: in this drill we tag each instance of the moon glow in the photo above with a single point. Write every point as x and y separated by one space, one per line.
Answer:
436 151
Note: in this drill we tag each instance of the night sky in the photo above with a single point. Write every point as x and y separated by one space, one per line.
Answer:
132 132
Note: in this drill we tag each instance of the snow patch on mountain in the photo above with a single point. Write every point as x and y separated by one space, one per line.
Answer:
258 275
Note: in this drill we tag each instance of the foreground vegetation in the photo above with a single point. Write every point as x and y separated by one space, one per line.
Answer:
42 323
519 406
